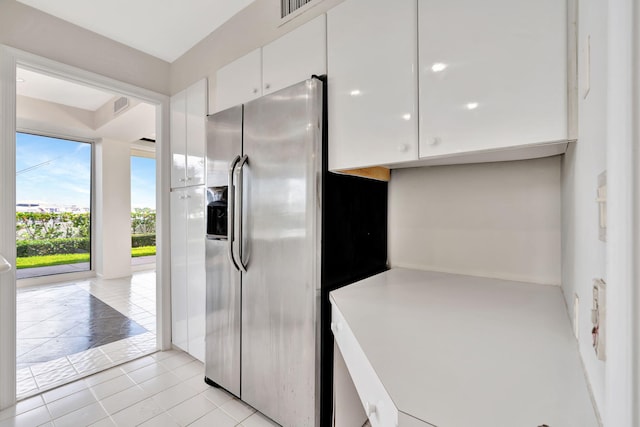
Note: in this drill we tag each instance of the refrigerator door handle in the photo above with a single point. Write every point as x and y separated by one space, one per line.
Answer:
239 189
231 212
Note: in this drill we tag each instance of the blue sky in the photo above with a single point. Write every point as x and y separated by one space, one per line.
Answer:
56 171
143 182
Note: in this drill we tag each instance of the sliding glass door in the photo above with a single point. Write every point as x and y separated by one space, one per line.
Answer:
53 205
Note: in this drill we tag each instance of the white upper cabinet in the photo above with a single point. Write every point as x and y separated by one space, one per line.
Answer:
196 116
178 134
296 56
239 81
188 134
492 75
372 83
292 58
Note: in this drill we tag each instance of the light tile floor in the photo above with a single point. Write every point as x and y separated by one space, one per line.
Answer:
162 389
133 297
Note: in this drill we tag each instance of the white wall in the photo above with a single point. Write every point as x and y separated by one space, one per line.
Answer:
583 254
253 27
28 29
497 220
113 209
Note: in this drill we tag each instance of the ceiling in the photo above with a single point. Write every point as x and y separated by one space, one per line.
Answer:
165 29
46 88
89 120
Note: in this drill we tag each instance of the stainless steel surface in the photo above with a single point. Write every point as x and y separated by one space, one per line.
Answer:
223 298
282 137
231 213
239 189
224 142
222 357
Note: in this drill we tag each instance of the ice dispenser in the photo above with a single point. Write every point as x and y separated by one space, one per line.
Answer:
217 213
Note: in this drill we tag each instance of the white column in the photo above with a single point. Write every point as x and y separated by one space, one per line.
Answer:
112 249
7 228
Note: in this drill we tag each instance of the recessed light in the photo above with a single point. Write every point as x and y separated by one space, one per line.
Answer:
406 116
355 92
472 105
19 80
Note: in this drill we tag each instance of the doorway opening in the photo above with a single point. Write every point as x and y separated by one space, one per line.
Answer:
143 205
81 306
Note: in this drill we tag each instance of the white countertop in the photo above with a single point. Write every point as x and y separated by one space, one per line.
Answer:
462 351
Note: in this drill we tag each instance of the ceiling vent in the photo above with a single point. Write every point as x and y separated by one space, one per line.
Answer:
287 7
120 104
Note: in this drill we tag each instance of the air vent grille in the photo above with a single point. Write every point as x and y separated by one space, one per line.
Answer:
287 7
120 104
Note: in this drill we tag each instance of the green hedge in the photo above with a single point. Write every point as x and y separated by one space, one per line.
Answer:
138 240
73 245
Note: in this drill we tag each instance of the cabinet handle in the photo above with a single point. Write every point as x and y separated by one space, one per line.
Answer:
181 180
370 409
435 140
255 90
267 86
189 178
336 327
403 148
4 265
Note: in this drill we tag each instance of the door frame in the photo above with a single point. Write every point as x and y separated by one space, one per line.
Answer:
10 58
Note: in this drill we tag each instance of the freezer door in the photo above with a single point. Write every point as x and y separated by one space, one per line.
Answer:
222 355
281 197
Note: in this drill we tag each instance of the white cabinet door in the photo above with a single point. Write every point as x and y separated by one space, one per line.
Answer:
179 311
188 133
196 282
188 269
196 116
240 81
178 134
296 56
492 74
372 83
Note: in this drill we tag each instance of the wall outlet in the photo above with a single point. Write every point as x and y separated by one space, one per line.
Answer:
599 318
576 316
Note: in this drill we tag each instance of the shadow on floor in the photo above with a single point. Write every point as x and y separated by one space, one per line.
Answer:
56 321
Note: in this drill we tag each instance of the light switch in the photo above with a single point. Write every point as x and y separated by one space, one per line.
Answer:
601 199
576 316
586 68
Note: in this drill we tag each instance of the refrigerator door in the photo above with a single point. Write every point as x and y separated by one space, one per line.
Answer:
222 356
282 206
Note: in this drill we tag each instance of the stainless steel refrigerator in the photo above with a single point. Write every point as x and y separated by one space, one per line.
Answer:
281 233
